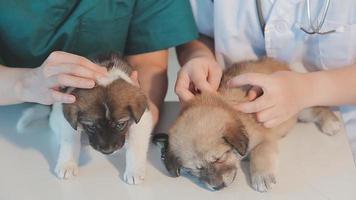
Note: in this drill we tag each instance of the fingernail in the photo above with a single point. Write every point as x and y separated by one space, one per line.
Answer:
87 84
69 99
91 84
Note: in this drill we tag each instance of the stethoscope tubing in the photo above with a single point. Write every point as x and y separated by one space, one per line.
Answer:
314 29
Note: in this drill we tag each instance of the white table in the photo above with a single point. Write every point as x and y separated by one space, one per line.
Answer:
312 166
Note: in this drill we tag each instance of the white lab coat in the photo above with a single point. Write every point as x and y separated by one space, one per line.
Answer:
235 27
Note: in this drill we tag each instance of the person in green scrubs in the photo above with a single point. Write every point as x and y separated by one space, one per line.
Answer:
45 45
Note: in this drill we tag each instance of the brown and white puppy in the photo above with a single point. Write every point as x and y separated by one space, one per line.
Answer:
210 137
113 113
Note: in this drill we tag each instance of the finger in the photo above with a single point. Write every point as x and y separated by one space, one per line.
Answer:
193 89
274 122
254 92
64 57
70 81
214 78
267 114
255 79
62 97
134 78
184 95
203 86
72 69
257 105
182 87
200 82
182 103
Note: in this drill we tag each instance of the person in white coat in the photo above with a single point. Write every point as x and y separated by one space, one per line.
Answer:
319 35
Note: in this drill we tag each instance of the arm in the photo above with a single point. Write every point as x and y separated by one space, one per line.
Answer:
9 84
200 72
333 87
41 84
152 77
153 27
202 47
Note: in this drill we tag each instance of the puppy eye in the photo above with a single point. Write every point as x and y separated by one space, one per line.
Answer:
221 159
121 125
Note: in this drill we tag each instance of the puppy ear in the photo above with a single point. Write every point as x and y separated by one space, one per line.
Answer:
137 107
172 164
236 135
70 112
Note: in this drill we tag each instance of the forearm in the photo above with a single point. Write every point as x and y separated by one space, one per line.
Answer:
204 46
154 84
152 77
332 87
10 84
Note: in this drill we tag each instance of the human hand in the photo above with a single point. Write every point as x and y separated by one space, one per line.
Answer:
283 95
199 74
42 84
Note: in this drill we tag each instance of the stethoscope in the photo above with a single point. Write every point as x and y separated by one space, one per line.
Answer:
313 28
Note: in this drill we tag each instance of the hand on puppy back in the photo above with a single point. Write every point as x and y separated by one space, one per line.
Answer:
281 98
199 74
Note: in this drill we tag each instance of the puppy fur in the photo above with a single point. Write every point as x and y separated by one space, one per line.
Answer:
210 137
113 114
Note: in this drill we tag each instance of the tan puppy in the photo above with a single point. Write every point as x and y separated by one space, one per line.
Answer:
210 137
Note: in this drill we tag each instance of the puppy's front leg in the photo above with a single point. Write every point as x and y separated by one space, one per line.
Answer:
69 146
137 147
69 149
263 165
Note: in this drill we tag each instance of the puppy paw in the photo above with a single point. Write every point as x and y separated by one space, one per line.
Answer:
134 178
263 182
66 170
331 127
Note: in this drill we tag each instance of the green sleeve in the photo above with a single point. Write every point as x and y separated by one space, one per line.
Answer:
160 24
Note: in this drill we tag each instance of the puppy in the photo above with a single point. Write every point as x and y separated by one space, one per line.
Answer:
112 114
209 137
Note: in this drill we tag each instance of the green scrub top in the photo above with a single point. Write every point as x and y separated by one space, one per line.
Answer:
31 30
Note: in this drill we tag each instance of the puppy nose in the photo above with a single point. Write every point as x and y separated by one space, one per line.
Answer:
107 151
219 187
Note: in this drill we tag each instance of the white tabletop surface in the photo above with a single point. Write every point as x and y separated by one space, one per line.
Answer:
312 166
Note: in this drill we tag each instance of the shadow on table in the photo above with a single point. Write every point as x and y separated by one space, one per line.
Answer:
39 136
153 158
118 161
